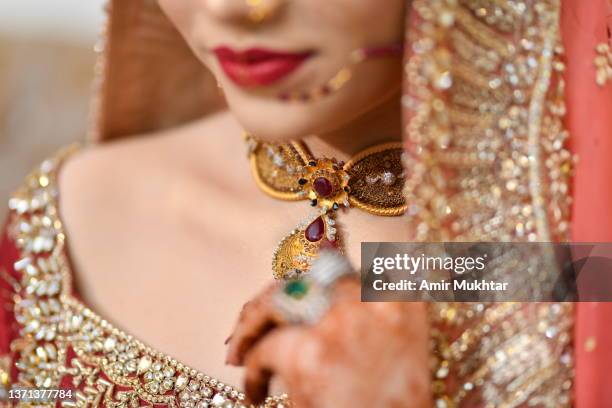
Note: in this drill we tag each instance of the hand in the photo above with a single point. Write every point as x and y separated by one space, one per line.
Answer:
358 355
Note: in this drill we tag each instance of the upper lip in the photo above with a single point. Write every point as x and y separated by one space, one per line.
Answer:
255 55
258 66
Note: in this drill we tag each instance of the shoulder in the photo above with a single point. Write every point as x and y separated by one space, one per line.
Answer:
104 187
112 167
128 170
100 174
111 192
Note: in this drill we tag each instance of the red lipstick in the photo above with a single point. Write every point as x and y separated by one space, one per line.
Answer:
258 66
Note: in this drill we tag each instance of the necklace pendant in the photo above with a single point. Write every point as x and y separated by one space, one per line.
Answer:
371 181
296 252
325 183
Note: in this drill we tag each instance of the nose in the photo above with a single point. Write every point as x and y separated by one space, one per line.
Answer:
253 11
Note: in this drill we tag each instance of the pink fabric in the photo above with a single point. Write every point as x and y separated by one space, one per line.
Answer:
589 119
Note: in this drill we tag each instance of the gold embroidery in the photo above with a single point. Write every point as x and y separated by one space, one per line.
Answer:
603 64
5 369
488 163
61 338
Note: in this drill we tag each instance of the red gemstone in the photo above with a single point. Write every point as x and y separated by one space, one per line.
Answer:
322 186
314 232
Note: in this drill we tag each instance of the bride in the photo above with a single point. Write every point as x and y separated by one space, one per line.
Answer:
226 129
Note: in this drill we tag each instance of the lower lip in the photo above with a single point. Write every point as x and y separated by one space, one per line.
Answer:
262 72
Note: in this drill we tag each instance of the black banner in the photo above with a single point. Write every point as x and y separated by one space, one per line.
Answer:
486 272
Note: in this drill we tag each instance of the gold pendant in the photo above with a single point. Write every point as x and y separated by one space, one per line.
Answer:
371 181
296 252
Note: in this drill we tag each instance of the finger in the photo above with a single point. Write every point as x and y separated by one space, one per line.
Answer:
260 317
347 289
274 355
257 318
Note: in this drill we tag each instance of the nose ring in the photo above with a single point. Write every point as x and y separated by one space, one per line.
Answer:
261 10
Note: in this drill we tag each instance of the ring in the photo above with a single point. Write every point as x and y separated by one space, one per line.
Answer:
304 300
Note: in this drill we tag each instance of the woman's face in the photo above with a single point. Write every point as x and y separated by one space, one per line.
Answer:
262 50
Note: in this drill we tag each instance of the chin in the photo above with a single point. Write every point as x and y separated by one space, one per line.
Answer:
277 121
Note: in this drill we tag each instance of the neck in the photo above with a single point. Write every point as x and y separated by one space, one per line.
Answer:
382 124
379 125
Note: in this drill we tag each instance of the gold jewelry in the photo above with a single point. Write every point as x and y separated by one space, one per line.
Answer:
371 181
344 74
259 11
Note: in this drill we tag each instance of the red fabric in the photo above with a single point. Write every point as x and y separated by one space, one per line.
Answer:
8 326
8 255
589 119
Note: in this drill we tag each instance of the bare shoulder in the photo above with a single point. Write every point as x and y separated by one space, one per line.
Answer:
103 193
115 174
100 175
117 190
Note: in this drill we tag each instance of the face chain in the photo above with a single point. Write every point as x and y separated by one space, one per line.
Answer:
344 75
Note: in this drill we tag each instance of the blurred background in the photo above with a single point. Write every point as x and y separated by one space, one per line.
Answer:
46 71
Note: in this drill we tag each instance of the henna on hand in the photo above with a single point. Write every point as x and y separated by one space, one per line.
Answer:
357 355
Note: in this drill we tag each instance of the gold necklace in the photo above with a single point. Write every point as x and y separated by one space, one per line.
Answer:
371 181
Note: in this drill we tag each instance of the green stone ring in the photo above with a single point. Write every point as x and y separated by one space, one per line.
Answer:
297 288
305 299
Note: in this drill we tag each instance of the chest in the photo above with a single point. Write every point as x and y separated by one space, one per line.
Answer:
168 273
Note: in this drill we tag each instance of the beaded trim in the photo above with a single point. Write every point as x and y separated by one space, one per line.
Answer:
60 338
603 64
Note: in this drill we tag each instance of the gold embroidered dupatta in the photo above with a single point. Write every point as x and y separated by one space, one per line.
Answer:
488 162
